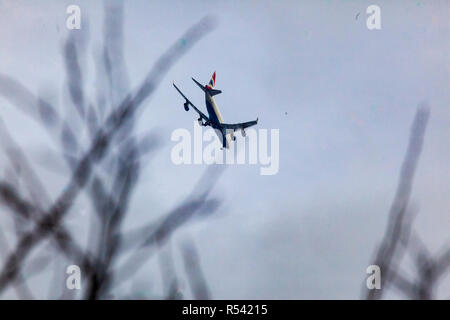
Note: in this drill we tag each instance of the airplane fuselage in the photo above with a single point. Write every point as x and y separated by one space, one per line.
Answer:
216 120
213 111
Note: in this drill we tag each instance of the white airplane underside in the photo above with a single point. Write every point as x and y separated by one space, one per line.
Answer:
214 119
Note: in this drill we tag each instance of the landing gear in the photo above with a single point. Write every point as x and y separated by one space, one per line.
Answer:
200 122
186 106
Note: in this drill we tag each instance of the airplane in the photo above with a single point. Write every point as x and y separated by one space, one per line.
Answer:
215 118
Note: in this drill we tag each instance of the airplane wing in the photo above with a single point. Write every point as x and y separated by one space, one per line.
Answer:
237 126
201 114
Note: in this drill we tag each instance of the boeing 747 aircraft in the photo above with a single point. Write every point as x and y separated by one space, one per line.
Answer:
215 118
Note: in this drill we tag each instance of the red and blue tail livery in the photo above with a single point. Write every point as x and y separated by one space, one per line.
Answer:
212 82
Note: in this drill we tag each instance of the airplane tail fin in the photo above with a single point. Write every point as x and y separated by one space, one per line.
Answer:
209 87
212 82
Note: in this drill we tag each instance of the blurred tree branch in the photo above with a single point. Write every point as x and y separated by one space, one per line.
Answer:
399 237
46 217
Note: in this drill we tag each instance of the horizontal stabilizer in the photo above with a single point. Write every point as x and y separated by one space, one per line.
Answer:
199 84
213 92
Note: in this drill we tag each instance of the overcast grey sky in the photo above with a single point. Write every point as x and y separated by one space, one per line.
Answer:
342 96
